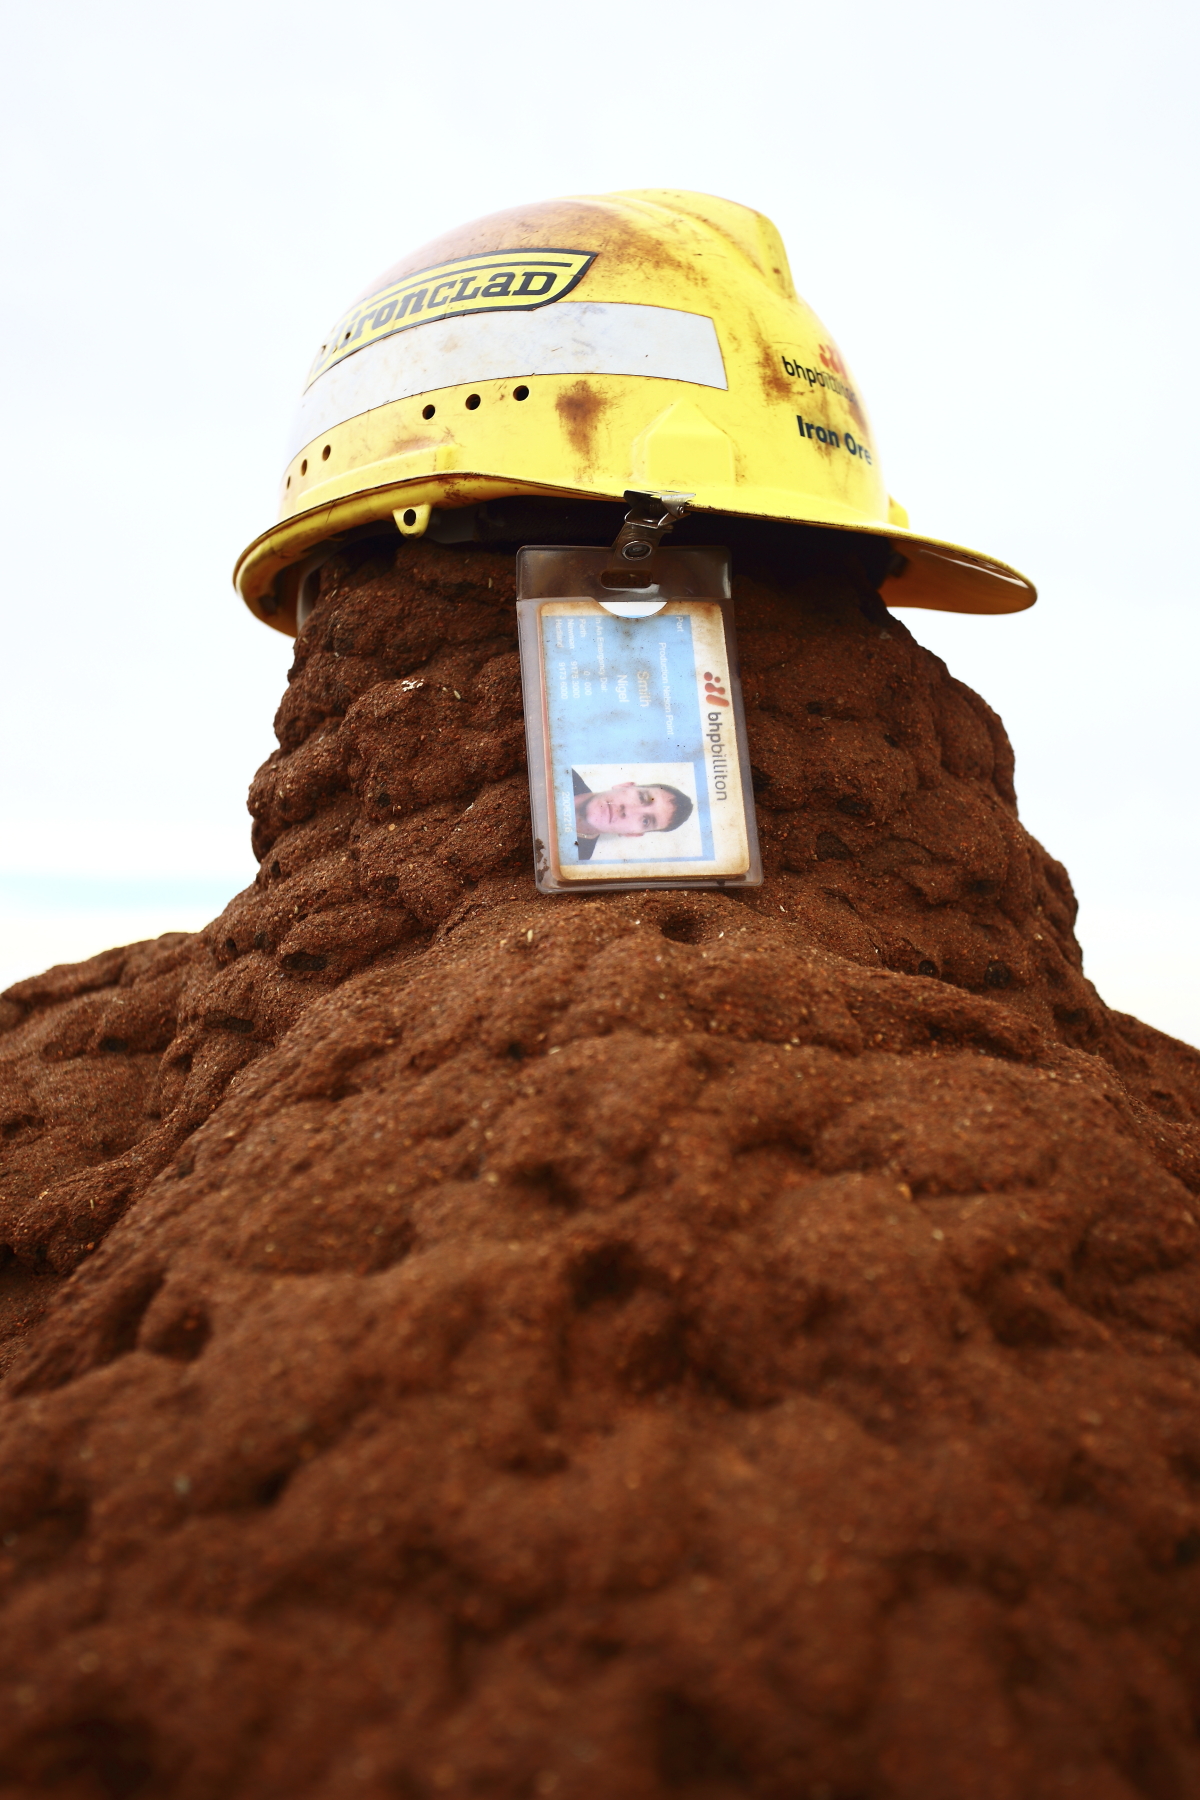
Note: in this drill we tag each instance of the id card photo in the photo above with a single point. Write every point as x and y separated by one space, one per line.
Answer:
640 745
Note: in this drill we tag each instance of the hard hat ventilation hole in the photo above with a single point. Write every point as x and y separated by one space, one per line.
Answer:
520 393
289 481
427 412
472 402
410 517
325 453
304 467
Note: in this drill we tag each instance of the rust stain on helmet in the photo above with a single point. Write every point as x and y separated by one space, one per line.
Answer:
776 383
574 222
579 407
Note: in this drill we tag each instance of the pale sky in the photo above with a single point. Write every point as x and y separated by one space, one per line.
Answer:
992 209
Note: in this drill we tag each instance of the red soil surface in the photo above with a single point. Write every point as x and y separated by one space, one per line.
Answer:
645 1345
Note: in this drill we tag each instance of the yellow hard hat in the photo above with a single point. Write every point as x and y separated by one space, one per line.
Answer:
577 348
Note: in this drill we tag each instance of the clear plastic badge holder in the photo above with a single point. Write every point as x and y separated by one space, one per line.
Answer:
639 772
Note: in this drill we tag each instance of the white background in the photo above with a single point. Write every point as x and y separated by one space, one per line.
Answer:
992 208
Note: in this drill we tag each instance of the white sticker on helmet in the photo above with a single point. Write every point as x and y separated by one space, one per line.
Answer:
571 338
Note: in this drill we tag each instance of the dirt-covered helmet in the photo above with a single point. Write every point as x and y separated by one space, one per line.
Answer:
577 348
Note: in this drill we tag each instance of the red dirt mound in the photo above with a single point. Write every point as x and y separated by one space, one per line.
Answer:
655 1346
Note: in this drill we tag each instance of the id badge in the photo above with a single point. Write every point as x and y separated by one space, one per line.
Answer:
638 763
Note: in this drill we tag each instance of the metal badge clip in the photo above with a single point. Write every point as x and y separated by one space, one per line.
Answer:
647 522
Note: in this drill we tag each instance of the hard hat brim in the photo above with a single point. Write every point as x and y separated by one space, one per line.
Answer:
930 573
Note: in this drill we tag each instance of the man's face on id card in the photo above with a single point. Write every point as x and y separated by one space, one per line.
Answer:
628 810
